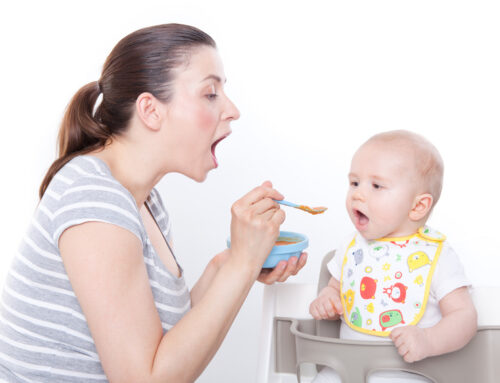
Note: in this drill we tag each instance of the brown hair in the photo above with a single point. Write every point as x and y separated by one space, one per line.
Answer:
143 61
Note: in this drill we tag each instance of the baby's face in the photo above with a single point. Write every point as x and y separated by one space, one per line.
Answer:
382 190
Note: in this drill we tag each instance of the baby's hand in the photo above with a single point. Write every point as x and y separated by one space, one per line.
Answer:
328 304
412 342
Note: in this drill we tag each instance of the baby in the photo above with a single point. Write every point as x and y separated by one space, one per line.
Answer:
395 277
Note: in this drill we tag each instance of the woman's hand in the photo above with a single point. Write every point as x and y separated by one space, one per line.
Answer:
283 270
255 224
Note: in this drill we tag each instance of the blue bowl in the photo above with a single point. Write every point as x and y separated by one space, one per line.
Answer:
296 244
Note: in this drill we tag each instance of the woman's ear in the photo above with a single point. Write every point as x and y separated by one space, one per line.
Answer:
148 109
421 206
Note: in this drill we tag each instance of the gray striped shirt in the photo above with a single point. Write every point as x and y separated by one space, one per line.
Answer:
44 336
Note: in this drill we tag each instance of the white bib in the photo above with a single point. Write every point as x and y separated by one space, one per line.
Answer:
385 283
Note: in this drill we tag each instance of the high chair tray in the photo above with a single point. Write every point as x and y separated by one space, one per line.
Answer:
298 342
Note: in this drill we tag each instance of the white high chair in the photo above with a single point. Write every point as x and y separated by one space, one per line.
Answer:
293 344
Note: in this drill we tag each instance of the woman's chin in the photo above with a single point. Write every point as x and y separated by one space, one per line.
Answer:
200 173
201 176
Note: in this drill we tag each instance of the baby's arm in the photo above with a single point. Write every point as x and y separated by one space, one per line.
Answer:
455 329
328 304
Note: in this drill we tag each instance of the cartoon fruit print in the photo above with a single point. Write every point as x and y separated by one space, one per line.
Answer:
390 318
349 299
417 260
356 318
397 292
367 288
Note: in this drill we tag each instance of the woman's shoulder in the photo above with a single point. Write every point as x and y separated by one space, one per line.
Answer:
85 190
85 175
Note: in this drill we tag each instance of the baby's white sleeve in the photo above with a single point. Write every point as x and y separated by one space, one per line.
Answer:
449 274
335 265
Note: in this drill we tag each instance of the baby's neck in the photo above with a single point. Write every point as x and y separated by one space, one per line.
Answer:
406 231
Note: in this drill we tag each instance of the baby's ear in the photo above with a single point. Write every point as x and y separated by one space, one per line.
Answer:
421 206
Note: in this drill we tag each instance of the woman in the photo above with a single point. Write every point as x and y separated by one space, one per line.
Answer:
95 292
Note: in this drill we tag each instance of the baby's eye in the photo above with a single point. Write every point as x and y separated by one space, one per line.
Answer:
377 186
354 183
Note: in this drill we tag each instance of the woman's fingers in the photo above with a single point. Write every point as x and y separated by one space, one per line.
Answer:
301 263
290 268
269 276
257 204
264 205
277 217
255 223
260 192
283 270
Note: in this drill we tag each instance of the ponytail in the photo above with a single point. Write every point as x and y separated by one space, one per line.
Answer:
143 61
80 131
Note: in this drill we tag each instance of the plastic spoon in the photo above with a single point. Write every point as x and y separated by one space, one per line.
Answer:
312 210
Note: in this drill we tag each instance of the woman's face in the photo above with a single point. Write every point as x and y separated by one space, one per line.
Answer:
198 115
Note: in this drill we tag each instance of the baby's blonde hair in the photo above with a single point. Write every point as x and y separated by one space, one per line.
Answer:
428 161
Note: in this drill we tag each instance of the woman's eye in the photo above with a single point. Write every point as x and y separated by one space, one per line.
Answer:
212 96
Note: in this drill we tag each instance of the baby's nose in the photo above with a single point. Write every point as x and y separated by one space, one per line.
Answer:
358 195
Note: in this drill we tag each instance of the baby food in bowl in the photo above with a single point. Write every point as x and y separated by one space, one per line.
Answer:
288 244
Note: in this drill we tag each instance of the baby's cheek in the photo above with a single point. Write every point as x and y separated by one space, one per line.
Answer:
387 209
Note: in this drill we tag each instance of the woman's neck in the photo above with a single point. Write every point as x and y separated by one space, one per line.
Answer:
132 167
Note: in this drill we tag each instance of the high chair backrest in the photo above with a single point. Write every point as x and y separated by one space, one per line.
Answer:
326 328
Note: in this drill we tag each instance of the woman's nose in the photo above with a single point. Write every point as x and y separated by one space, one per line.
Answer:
231 112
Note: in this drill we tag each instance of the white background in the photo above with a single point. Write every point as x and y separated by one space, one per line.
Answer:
312 83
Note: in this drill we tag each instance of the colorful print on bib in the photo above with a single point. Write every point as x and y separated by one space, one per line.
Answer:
385 283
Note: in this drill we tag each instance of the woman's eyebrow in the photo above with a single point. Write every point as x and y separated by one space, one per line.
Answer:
213 77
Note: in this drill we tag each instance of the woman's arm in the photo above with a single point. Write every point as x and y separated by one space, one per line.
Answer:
280 273
105 266
207 277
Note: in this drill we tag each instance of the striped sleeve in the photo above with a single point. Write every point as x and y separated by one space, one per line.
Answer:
93 200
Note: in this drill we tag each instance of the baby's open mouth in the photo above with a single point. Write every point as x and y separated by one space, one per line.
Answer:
361 218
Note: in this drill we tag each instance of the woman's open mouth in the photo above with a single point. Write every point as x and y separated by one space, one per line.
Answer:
213 148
